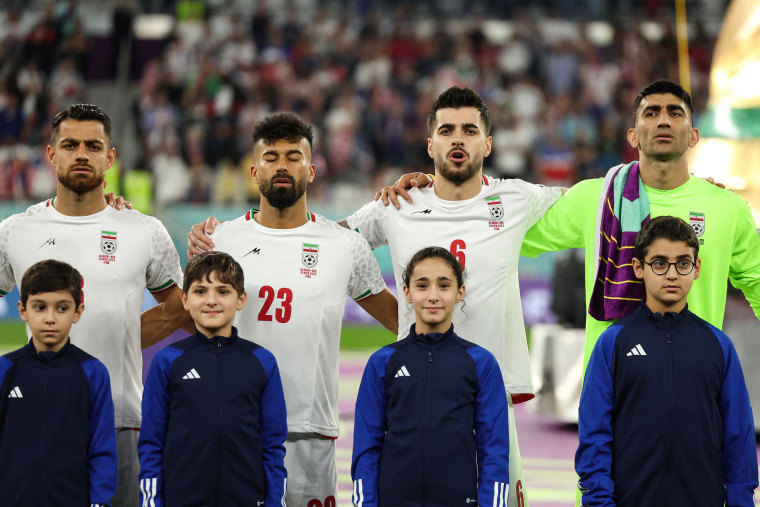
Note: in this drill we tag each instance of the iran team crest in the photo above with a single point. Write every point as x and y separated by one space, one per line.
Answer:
697 222
310 255
107 246
108 242
496 210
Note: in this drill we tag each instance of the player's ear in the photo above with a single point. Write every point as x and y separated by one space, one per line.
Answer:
693 137
312 172
430 147
638 268
254 174
489 143
633 137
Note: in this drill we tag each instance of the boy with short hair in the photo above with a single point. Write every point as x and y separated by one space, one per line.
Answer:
57 438
665 417
214 418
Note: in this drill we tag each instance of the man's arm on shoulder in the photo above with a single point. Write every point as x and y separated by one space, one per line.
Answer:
564 223
383 306
198 240
161 320
593 459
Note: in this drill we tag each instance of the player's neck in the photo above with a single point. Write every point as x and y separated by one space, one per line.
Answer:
73 204
661 175
449 191
282 218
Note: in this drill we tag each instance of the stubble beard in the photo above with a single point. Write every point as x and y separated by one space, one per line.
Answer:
283 197
461 173
79 184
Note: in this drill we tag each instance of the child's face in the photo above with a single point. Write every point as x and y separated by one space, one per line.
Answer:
212 305
433 292
667 292
50 316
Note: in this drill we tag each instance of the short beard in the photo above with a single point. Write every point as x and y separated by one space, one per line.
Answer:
281 197
473 166
80 185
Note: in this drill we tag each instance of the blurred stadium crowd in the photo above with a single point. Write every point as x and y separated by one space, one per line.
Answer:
559 87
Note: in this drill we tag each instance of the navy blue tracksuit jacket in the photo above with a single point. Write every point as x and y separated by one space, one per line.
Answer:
214 423
431 425
664 417
57 436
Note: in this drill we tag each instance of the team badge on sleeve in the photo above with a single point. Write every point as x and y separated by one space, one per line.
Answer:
107 246
496 210
697 222
309 258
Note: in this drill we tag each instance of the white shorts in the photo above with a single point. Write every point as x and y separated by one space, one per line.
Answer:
312 474
128 489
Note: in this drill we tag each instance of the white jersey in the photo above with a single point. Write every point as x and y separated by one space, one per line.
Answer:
485 234
119 254
297 281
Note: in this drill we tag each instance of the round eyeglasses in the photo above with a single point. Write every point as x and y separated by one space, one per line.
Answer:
660 267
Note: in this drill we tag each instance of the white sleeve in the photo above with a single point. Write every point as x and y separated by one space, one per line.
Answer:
7 280
164 269
366 278
369 221
540 198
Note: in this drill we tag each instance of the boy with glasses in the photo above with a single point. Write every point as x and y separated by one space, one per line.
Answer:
664 416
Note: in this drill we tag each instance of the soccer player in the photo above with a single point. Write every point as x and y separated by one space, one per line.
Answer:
119 254
57 440
663 132
298 268
480 220
665 417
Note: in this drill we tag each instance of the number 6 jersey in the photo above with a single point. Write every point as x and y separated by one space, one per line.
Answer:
297 280
485 234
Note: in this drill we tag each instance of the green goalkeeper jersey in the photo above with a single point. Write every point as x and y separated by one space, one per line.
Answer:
729 242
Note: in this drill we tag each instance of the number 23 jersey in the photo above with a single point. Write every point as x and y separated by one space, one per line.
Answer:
297 280
485 234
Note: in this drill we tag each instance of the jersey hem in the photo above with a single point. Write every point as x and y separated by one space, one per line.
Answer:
325 431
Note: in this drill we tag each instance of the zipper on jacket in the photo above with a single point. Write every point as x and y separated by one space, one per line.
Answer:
219 433
669 377
41 442
428 372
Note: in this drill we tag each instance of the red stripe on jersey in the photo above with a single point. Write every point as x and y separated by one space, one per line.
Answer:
485 180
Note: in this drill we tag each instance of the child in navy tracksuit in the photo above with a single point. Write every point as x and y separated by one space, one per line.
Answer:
431 425
664 416
57 437
214 418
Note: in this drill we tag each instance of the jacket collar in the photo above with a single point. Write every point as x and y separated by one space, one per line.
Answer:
217 341
668 317
434 338
47 356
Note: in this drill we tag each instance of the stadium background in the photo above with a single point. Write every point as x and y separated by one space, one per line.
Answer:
184 81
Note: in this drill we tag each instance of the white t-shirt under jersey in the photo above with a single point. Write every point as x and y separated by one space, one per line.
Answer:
485 234
119 254
297 281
